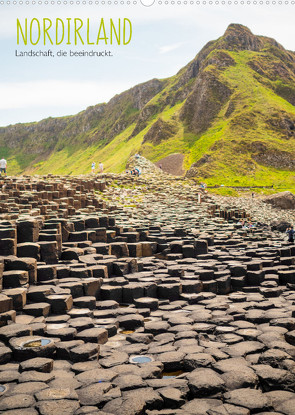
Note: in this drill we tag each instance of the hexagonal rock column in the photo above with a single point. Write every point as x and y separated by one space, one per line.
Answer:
49 252
7 246
25 264
14 279
27 231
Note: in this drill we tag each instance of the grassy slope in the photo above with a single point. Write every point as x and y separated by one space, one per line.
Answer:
260 101
77 160
232 165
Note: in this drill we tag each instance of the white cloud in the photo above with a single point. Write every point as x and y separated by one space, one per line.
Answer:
169 48
56 93
161 28
34 101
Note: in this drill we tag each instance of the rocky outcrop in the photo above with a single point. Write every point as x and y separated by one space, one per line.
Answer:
195 168
159 131
145 299
239 37
148 112
276 159
272 157
207 99
283 200
102 121
283 124
280 225
143 164
204 103
263 154
205 159
142 93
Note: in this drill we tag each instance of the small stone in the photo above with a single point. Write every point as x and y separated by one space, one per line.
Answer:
40 364
16 402
205 382
62 406
248 398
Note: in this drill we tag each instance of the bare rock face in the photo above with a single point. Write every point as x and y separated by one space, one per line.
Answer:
205 102
142 93
266 156
159 131
238 37
282 200
280 226
220 58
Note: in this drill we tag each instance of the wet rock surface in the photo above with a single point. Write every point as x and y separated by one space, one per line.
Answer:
124 295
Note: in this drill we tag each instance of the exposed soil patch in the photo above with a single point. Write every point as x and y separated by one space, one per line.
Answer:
172 164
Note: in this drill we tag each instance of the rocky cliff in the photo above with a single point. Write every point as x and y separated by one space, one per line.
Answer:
229 113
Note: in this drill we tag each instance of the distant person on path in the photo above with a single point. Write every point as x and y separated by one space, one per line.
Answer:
3 167
290 231
137 155
100 167
93 167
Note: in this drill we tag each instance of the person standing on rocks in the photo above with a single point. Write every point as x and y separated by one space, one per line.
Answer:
100 167
3 166
93 167
290 231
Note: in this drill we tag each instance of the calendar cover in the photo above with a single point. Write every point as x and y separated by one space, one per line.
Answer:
202 88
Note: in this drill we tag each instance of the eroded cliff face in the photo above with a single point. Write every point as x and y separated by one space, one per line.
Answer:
159 131
205 102
102 121
250 94
239 90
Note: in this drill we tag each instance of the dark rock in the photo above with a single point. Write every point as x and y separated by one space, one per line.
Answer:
251 399
39 364
283 200
68 407
205 382
16 402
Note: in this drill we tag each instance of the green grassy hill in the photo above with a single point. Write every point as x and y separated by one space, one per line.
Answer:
230 112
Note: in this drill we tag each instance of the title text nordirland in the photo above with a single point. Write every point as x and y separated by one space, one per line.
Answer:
73 31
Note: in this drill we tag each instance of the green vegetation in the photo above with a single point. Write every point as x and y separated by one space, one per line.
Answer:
229 191
226 191
242 99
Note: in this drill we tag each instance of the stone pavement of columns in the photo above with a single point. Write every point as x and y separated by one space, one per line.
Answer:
129 296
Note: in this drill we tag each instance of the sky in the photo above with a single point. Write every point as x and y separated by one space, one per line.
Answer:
165 38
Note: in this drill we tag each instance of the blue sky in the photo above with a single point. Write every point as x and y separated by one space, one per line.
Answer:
165 38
